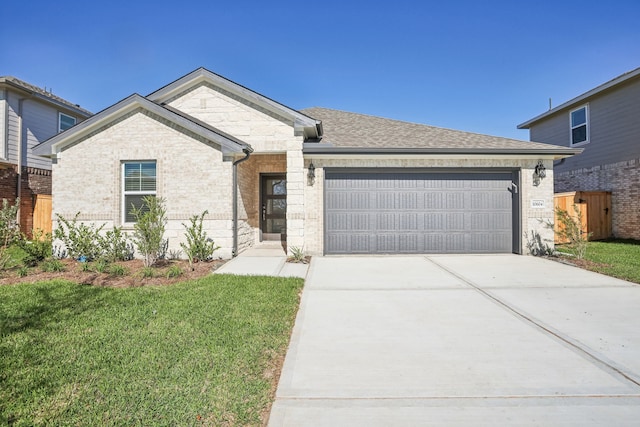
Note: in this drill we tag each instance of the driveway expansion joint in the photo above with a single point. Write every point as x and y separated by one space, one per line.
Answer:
573 344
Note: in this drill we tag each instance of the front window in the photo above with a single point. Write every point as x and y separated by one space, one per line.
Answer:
580 126
138 181
65 122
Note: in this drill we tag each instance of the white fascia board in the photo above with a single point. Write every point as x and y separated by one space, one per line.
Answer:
54 145
303 125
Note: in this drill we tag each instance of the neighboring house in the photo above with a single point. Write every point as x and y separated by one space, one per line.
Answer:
605 122
28 116
326 181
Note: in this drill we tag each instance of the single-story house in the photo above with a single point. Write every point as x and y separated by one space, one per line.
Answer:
325 181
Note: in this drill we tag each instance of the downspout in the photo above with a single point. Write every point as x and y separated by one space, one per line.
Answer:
247 153
19 167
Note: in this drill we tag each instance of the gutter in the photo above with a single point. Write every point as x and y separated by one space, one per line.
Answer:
314 148
247 152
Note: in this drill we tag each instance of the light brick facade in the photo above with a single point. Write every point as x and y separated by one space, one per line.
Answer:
622 180
191 177
194 174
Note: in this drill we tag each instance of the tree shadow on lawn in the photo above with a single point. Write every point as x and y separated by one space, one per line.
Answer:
48 303
28 312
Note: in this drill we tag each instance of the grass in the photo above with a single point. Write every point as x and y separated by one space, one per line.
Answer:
197 353
618 258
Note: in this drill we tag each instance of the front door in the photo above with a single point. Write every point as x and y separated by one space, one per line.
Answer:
273 222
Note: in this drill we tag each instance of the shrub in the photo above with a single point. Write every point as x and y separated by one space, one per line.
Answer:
117 270
85 267
9 231
52 265
297 254
115 245
37 249
537 247
79 239
23 271
571 230
175 254
199 247
174 271
149 229
101 266
147 272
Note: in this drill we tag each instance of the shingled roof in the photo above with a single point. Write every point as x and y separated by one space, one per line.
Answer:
38 91
360 133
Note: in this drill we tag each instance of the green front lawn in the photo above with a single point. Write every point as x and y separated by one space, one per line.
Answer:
618 258
203 352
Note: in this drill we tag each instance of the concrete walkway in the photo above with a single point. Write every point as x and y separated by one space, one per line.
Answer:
461 340
265 259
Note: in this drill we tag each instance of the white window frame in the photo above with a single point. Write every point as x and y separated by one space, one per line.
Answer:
586 125
60 115
125 193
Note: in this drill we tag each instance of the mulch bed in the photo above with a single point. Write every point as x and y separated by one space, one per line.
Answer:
133 277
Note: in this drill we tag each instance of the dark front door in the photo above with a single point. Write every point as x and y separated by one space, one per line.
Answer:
273 223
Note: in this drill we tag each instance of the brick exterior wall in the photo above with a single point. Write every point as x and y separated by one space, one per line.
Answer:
276 150
533 219
249 209
34 181
622 180
191 176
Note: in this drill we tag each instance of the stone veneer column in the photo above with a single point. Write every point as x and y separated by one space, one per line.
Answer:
295 198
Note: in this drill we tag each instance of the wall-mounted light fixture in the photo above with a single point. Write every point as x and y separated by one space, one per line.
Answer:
540 171
311 175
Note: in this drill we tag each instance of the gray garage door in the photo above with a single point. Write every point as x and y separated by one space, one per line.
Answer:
384 213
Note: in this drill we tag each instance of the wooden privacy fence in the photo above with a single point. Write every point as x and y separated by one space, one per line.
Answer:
42 213
595 207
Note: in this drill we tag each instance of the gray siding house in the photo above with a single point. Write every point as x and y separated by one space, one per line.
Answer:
29 115
605 123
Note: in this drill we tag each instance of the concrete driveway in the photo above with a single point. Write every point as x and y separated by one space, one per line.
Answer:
461 340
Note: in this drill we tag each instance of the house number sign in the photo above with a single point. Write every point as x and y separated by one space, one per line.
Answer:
537 203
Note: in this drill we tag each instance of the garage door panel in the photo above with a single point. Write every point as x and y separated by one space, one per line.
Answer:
418 212
434 221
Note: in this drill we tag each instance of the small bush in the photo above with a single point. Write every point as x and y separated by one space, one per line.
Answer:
571 230
101 266
85 267
147 272
174 271
297 254
79 239
117 270
37 249
199 247
175 254
22 271
52 266
9 231
115 245
149 229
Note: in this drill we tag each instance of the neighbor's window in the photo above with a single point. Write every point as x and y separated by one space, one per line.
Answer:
139 180
579 125
65 122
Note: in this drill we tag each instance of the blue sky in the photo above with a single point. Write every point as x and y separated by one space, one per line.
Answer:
479 66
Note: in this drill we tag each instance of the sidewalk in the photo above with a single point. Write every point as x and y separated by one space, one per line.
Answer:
264 259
